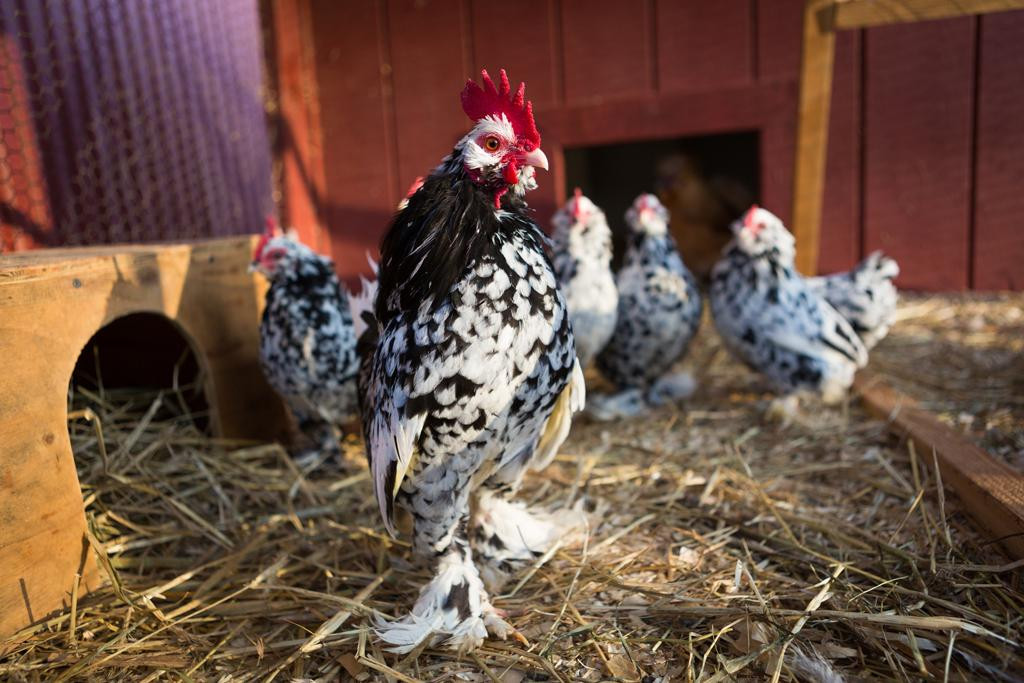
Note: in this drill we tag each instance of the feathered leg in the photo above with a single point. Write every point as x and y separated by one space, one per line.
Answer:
507 534
453 607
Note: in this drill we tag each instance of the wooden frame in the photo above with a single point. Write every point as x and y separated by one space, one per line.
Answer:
822 18
51 304
991 491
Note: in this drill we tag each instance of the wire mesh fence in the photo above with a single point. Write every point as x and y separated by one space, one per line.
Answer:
130 121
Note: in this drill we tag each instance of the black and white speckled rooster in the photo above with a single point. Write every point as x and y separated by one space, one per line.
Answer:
307 342
865 296
582 245
772 319
471 377
659 312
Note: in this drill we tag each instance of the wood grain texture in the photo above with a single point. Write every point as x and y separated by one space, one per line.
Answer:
918 90
361 183
779 37
428 73
864 13
999 199
840 218
991 491
300 133
533 57
704 45
51 303
607 47
812 135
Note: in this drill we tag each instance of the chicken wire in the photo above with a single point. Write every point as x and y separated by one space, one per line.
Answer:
130 121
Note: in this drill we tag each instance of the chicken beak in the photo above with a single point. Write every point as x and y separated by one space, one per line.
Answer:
537 159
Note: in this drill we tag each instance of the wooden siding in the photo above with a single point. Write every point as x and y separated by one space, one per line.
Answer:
927 123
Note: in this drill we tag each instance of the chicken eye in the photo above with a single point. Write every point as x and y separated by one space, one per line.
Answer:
491 144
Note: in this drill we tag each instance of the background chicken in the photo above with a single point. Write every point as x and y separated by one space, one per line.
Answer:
473 376
659 312
770 317
583 263
307 343
865 296
702 205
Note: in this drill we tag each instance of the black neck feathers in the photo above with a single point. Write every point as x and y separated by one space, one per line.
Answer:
449 224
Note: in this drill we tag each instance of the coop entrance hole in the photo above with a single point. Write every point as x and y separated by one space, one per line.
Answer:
705 181
135 358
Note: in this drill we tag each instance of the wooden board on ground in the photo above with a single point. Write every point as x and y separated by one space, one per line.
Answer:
51 304
991 491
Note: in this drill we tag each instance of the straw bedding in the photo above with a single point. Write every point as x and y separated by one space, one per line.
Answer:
728 548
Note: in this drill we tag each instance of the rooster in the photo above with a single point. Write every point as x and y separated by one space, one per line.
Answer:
659 313
865 296
772 319
470 375
307 341
582 258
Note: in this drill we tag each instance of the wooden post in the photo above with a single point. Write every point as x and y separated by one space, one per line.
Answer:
812 131
991 492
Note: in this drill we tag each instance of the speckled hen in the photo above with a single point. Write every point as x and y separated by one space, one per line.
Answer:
770 317
307 341
582 246
470 376
659 309
865 296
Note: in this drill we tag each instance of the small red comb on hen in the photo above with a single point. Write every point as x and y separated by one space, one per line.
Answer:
748 220
269 232
489 100
577 209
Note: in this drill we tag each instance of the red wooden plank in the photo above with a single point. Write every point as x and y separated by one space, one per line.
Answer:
840 226
779 39
359 195
531 57
607 49
428 74
999 201
703 45
918 124
298 140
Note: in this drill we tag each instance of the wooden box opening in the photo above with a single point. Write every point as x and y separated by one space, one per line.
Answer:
143 354
705 181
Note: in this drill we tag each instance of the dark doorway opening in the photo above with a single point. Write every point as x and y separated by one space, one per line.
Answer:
705 181
136 358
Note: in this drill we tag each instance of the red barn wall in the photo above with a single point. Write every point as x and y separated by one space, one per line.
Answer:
927 127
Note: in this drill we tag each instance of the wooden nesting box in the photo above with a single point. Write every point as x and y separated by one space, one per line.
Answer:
51 303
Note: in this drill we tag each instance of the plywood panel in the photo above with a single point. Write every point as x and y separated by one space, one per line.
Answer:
360 190
918 119
534 56
703 45
779 26
999 202
608 49
840 218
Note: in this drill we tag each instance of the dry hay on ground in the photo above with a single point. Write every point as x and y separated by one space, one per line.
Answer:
729 549
962 356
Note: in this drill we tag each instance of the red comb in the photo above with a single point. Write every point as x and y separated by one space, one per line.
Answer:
268 233
748 220
577 210
416 185
479 102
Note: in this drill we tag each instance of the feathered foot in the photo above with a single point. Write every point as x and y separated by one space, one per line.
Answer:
671 387
452 609
508 534
627 403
